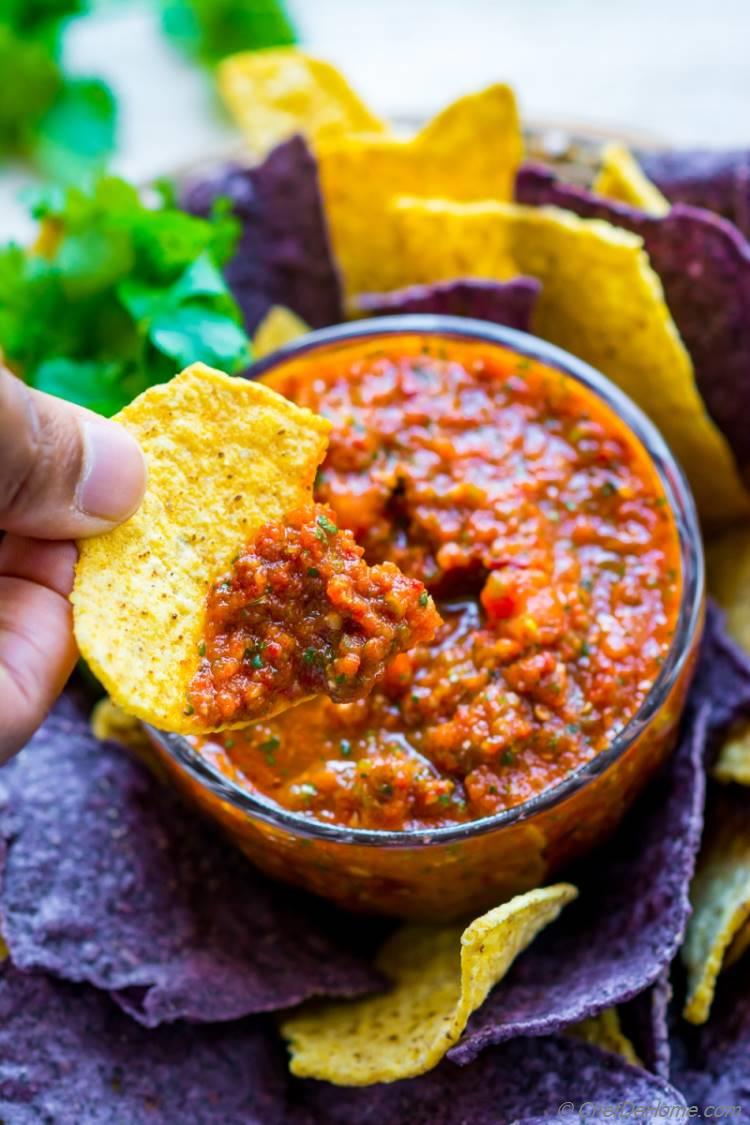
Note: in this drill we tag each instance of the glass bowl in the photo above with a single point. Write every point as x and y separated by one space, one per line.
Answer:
461 869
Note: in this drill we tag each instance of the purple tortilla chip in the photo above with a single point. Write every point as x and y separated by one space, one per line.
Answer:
501 302
284 253
622 933
522 1081
109 879
645 1020
704 265
711 1063
716 180
68 1056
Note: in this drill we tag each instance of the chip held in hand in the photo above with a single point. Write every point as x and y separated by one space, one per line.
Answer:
229 595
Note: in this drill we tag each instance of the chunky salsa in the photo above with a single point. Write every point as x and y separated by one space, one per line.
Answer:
538 522
300 612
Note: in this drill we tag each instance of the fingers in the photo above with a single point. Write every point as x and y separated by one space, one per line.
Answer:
37 651
65 473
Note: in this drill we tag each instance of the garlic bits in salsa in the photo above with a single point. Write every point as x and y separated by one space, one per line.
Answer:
230 594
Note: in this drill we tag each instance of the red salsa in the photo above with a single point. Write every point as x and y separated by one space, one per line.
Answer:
539 524
300 612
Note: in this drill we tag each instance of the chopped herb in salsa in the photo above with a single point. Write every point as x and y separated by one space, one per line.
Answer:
300 613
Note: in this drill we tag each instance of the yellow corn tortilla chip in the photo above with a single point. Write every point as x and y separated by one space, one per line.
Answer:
279 326
733 760
728 569
600 300
275 93
621 177
469 151
605 1031
110 722
738 945
728 573
441 975
720 895
224 456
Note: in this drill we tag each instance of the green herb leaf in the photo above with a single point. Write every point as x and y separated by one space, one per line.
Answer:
77 133
124 295
210 29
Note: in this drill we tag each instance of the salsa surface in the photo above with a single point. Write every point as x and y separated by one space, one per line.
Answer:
301 613
537 521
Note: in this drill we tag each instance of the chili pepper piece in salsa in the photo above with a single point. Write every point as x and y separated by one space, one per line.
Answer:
301 613
541 526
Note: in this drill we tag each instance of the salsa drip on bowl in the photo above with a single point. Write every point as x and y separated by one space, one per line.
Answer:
538 522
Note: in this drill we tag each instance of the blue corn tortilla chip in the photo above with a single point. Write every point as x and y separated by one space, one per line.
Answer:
715 179
284 255
501 302
547 1079
68 1056
711 1063
704 265
621 934
109 879
645 1021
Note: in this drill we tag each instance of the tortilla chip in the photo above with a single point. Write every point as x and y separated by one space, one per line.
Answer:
645 1021
276 93
720 895
606 1032
225 456
440 974
728 567
69 1057
733 760
500 302
704 265
711 1063
110 723
110 879
728 572
527 1082
279 326
711 178
620 177
601 300
469 151
283 256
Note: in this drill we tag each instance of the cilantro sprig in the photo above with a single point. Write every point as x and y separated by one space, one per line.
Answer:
63 123
208 30
117 295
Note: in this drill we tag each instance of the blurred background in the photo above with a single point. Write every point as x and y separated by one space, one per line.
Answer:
675 71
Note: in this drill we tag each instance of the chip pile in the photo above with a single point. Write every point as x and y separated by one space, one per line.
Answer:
152 975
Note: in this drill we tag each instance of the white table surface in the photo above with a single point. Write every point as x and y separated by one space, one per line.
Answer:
676 69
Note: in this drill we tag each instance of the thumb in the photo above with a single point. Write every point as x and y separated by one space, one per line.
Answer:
65 473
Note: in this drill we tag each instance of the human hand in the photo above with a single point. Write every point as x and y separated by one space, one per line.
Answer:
65 473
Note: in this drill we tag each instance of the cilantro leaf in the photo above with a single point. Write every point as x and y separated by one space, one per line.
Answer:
66 125
192 332
210 29
78 131
31 82
118 295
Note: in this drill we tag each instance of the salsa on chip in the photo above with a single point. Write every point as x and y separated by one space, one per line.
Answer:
228 596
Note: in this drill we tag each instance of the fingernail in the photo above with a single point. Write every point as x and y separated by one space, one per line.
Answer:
114 472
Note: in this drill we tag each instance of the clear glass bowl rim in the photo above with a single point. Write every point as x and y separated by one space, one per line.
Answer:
689 617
